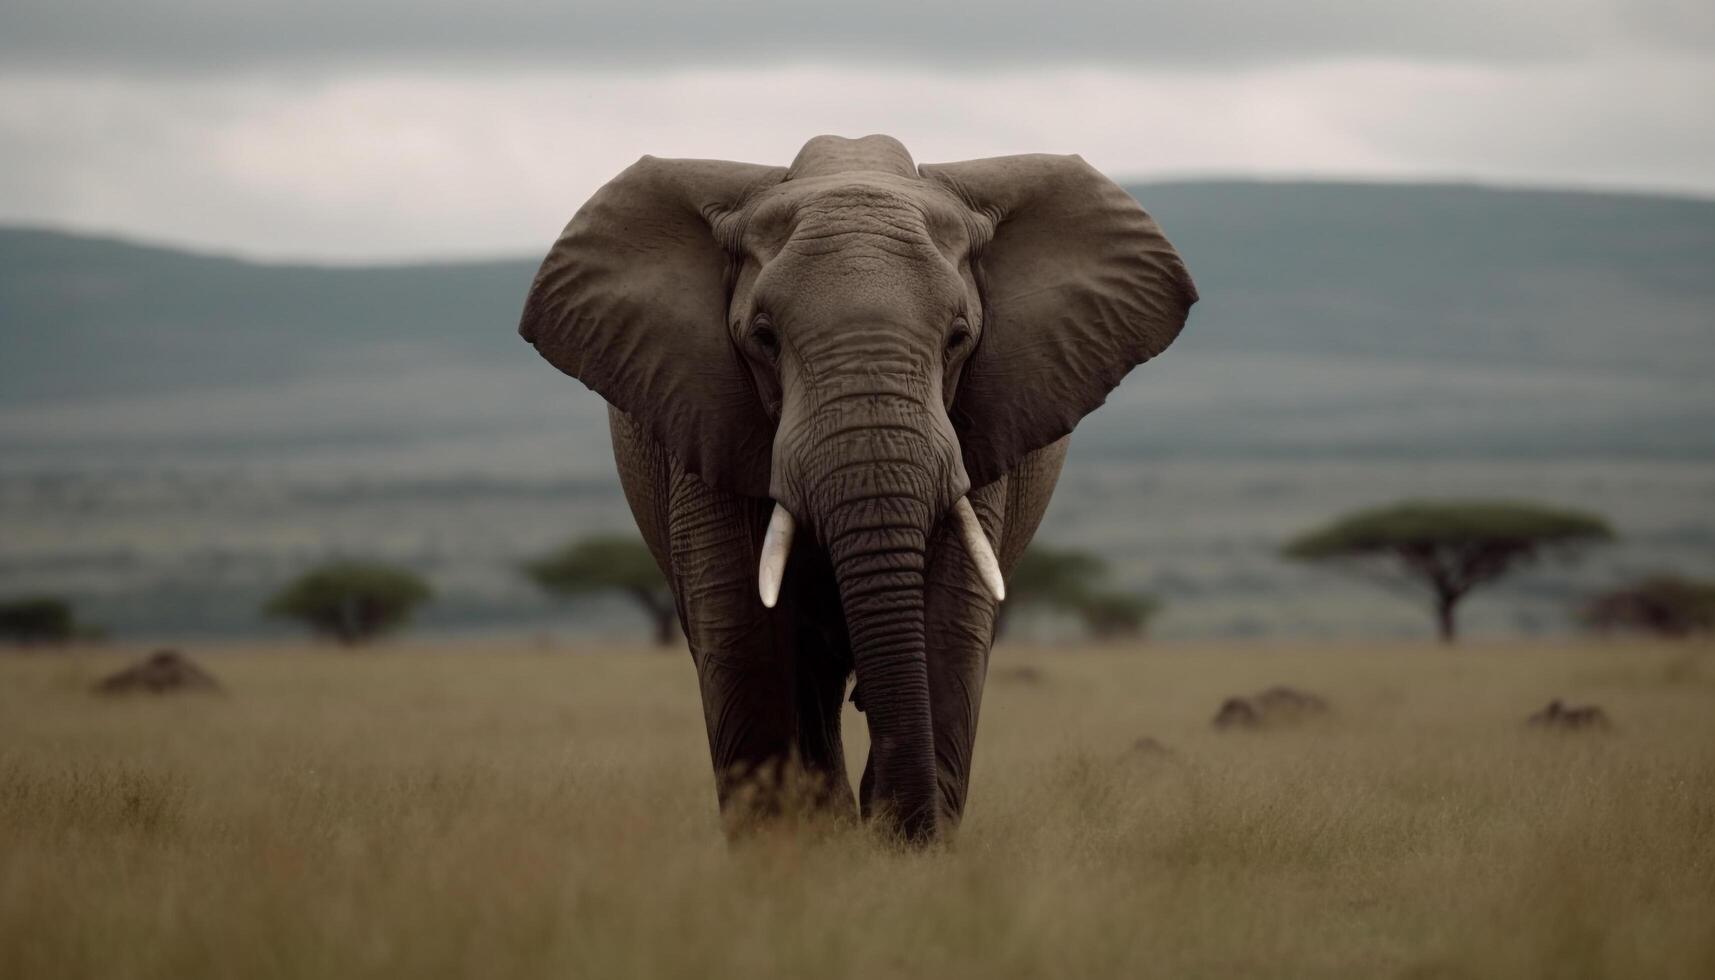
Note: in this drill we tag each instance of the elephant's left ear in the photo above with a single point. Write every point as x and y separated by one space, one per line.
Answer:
632 301
1079 285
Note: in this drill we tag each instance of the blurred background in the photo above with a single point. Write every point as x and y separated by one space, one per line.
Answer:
261 266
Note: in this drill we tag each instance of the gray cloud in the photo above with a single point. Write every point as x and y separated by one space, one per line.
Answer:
199 35
394 163
354 129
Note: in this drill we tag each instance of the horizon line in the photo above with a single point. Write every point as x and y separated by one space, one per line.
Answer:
145 240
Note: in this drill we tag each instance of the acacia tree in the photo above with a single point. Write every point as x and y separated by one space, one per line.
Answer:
351 601
1666 605
610 563
1452 547
1070 581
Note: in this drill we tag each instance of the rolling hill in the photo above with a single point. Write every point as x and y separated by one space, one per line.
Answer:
1335 317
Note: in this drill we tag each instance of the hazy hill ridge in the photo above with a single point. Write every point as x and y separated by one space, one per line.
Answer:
1418 307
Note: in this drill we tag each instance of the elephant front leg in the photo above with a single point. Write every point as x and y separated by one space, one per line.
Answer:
822 664
772 681
960 618
742 658
706 543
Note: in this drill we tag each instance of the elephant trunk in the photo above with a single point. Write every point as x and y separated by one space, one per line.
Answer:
877 543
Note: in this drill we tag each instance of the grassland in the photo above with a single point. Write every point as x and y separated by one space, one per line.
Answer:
505 812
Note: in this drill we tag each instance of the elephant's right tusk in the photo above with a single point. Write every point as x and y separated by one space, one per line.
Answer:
977 543
776 545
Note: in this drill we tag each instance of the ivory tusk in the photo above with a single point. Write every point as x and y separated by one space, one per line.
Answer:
776 545
977 543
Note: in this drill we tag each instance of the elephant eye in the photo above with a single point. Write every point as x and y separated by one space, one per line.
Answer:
959 337
763 336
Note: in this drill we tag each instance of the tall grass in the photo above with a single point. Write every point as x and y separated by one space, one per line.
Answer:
504 813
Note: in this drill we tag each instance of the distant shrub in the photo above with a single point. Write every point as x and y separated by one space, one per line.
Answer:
610 563
1665 605
36 620
1117 615
1069 581
1057 577
351 602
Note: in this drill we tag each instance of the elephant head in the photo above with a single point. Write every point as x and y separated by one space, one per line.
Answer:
861 340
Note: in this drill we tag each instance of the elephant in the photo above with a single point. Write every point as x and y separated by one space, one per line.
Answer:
840 394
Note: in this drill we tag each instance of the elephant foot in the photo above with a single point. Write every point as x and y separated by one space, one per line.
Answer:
784 793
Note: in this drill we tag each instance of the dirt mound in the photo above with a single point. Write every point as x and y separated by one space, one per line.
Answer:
1238 713
1151 747
1562 717
1290 700
162 672
1277 706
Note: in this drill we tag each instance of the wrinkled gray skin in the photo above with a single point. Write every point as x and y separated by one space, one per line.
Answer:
864 342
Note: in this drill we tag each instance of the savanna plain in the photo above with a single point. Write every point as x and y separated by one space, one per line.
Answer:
497 810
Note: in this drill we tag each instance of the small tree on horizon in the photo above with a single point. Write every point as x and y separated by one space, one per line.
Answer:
1452 547
610 563
351 602
36 621
1665 605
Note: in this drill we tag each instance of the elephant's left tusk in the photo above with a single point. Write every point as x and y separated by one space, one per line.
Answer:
776 545
977 543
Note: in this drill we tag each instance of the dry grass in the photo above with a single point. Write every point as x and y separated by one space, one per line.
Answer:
516 813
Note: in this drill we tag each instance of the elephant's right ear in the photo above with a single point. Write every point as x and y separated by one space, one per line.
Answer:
1079 286
632 301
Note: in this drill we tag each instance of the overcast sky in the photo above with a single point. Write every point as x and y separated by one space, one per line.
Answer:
344 130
